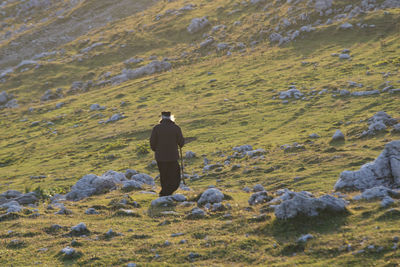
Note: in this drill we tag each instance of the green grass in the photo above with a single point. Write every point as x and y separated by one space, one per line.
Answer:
238 108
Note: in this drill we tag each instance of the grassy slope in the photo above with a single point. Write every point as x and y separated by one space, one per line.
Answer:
250 116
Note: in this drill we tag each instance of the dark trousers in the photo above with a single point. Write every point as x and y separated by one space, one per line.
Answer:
170 176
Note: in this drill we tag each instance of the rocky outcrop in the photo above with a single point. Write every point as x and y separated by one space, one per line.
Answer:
197 24
384 171
295 204
211 195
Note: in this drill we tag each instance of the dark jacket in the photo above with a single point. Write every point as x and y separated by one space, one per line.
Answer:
165 139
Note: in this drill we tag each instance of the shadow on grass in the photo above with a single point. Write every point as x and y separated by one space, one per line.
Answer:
291 229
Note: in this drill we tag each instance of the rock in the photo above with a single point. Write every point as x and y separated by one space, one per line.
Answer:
217 28
28 198
151 68
207 42
396 128
314 136
129 173
218 207
291 93
384 171
259 197
166 201
11 194
110 233
300 203
96 107
63 211
197 213
243 148
344 92
246 189
305 238
338 136
115 117
383 117
13 103
255 153
91 211
79 230
258 188
126 212
386 202
192 256
211 195
366 93
211 167
276 38
93 185
50 95
69 252
190 155
391 4
321 5
222 46
4 98
346 26
295 147
131 265
198 24
143 178
131 185
11 206
377 192
179 198
133 61
344 56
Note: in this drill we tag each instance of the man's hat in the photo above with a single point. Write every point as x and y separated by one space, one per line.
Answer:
166 113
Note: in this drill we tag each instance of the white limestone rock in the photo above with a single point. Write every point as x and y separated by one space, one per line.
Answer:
299 203
211 195
384 171
198 24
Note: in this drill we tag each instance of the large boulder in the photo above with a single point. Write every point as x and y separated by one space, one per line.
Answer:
211 195
384 171
92 185
302 204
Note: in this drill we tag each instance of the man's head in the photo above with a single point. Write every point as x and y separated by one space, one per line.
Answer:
166 115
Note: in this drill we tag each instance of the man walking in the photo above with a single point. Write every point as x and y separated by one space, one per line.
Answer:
164 141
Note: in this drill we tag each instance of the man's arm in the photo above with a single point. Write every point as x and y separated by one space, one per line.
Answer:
153 139
181 140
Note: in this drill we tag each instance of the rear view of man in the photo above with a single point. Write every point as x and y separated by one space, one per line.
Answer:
164 141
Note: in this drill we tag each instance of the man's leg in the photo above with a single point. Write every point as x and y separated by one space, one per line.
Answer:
163 168
174 177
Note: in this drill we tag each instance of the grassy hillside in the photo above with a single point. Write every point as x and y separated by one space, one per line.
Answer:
220 101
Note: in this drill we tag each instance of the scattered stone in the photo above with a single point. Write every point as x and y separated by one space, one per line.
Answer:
50 95
377 192
177 234
151 68
344 56
384 171
97 107
115 117
243 148
193 256
259 197
211 167
63 211
79 230
196 213
69 253
346 26
305 238
291 93
162 202
295 147
211 195
218 207
198 24
386 202
246 189
190 155
366 93
131 185
338 136
126 212
396 128
91 211
110 233
258 188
